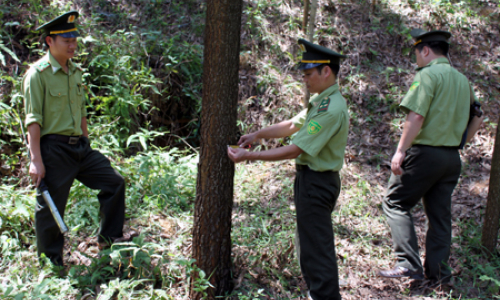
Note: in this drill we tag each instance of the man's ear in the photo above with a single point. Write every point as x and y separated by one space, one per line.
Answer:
326 71
49 40
425 50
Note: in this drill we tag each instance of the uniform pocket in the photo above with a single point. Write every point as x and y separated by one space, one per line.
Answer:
56 99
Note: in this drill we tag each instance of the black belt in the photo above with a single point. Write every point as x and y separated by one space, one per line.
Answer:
442 147
72 140
302 167
306 167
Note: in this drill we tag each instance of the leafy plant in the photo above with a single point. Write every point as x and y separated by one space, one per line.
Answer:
4 48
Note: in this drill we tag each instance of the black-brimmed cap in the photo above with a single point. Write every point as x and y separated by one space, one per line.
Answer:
63 25
315 55
422 36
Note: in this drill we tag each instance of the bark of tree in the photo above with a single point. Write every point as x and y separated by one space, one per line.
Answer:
306 16
492 216
211 246
310 35
312 23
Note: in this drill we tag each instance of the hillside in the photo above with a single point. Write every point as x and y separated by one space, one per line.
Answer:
144 60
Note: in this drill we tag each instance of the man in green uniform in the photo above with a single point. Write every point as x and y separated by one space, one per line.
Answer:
318 149
427 164
58 140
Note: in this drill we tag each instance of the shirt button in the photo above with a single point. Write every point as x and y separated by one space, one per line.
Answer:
59 94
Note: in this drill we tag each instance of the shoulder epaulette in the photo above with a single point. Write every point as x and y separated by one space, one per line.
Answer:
41 66
323 106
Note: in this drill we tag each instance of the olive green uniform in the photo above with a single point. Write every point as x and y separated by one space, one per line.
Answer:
431 167
55 100
323 137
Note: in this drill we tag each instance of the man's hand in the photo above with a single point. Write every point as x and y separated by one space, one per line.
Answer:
397 162
236 155
37 168
37 172
247 139
411 128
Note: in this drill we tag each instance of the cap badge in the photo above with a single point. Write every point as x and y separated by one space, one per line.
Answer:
71 19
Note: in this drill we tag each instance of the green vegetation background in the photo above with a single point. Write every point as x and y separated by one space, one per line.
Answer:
144 60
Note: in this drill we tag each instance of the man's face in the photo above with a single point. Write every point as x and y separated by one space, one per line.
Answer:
62 48
312 80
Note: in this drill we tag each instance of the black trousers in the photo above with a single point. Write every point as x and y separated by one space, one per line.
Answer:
315 197
63 163
431 174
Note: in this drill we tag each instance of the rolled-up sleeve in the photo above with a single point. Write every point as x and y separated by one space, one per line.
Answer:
298 120
33 98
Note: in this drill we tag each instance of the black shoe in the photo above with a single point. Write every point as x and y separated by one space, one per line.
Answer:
399 272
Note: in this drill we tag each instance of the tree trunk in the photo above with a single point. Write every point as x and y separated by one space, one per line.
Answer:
306 16
310 36
492 216
214 189
312 23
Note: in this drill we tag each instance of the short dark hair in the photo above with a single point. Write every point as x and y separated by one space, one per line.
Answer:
438 47
334 67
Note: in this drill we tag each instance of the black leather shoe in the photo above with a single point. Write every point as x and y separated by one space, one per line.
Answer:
399 272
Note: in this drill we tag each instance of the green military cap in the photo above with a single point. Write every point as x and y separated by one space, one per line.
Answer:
63 25
422 36
315 55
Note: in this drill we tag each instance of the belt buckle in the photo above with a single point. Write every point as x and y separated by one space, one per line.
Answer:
73 140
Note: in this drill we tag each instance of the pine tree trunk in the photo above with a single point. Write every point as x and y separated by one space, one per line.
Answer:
214 189
491 219
312 23
306 16
310 36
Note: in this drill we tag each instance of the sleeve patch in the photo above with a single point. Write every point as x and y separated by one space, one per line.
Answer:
414 85
313 127
323 106
42 66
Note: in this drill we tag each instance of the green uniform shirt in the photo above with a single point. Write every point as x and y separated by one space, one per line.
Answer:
54 99
324 137
441 95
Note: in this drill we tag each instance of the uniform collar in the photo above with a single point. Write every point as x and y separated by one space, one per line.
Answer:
441 60
56 66
332 89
